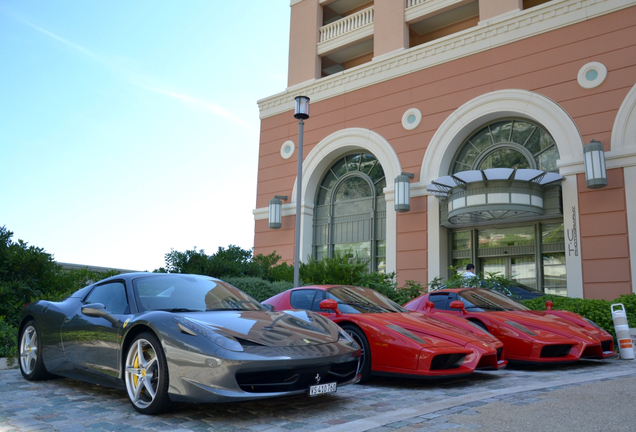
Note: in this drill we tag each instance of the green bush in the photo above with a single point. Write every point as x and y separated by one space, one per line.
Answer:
598 311
8 339
342 269
258 288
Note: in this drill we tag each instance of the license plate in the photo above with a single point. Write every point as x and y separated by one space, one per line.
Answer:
322 389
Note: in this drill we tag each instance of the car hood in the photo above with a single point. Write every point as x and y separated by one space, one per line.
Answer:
549 323
284 328
422 325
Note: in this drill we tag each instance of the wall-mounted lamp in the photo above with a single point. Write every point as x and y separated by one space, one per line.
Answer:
594 156
403 192
276 211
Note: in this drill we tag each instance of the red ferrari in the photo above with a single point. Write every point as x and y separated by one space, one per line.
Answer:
529 336
394 341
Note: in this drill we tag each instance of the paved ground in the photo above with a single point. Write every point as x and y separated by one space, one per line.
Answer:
588 395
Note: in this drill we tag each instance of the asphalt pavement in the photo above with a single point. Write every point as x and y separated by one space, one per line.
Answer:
586 396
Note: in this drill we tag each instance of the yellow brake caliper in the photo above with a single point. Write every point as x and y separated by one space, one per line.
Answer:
136 365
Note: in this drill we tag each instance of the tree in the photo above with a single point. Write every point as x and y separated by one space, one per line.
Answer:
26 273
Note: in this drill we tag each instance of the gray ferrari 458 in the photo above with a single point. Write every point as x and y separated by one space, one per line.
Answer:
174 337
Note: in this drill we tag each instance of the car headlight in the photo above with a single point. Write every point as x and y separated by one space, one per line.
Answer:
405 332
520 327
344 335
194 328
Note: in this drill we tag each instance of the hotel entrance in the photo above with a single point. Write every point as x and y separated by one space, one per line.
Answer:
532 254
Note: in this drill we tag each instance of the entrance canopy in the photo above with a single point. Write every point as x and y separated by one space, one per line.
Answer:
496 194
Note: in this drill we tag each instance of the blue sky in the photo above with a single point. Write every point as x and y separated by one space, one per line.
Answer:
130 128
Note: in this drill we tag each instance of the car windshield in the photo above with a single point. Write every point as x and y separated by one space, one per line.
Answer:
352 299
186 293
488 300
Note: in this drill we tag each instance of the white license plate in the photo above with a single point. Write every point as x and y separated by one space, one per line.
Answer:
322 389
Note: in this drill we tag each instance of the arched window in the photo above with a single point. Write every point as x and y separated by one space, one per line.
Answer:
508 144
528 250
350 214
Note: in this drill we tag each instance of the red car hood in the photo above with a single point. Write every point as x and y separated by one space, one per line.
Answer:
422 325
549 323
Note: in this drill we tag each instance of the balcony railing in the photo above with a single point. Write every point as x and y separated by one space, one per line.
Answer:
411 3
347 24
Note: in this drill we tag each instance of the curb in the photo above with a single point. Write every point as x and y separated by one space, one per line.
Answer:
406 413
5 362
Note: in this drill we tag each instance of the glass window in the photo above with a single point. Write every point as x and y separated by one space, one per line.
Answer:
462 240
504 158
112 296
350 213
302 299
190 293
514 139
513 236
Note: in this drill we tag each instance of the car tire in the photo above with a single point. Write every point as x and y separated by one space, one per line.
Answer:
146 375
365 360
30 353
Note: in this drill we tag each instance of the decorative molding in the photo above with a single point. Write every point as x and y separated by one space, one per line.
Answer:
485 36
288 149
490 106
320 159
592 75
624 128
411 118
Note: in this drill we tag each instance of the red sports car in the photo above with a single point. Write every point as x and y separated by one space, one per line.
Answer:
529 336
394 341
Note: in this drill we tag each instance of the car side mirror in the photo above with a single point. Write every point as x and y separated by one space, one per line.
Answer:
269 307
458 304
330 304
548 305
429 306
98 310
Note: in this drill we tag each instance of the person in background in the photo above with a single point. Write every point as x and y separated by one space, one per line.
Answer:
470 271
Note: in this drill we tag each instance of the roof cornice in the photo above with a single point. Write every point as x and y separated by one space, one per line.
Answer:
489 34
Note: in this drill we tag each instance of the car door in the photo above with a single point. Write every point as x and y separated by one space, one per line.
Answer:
92 343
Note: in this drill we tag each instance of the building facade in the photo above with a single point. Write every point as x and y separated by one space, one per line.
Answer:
490 106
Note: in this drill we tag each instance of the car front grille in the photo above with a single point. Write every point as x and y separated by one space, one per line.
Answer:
447 361
285 380
550 351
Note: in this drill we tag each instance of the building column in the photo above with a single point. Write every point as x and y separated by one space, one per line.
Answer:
630 191
390 32
491 8
306 20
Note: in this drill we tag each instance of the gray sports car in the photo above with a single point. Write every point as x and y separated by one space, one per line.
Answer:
175 337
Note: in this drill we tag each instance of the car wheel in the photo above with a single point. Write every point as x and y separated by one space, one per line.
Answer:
146 375
365 359
30 351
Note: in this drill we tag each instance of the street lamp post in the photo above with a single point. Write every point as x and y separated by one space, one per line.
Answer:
301 112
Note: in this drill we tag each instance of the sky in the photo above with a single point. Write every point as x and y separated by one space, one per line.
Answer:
131 128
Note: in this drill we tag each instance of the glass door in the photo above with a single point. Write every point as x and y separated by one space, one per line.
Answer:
519 268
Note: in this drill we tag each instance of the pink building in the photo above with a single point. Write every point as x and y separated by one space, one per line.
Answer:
490 105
